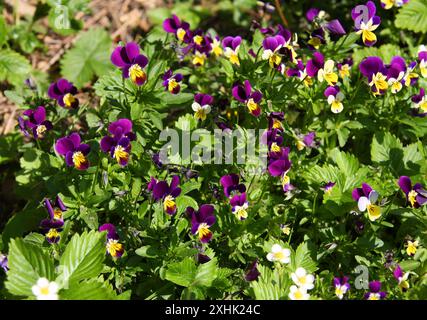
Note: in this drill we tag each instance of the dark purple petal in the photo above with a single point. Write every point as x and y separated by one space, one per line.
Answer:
107 143
405 184
312 14
116 58
335 27
64 145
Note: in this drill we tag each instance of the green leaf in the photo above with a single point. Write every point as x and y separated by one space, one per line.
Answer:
3 31
383 145
302 259
385 52
182 273
206 273
90 56
14 68
413 16
89 290
182 202
27 263
83 257
347 163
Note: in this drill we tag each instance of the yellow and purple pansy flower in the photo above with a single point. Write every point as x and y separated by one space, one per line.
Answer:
113 246
201 221
344 67
375 292
419 104
416 195
230 184
64 93
239 206
306 141
279 167
422 57
231 47
171 81
202 106
328 187
335 98
341 286
131 62
271 47
396 74
374 70
324 71
52 226
165 192
402 278
366 22
36 122
388 4
252 99
366 199
300 72
118 144
176 26
74 151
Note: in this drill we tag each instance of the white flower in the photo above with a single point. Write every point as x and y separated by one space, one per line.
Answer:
340 291
302 279
200 111
296 293
279 254
374 211
45 290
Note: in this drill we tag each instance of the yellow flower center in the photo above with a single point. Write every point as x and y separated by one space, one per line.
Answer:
277 124
379 81
279 255
410 76
252 105
172 84
423 106
41 129
331 78
44 291
198 40
300 145
374 296
216 48
412 197
274 60
336 106
57 214
368 35
200 114
315 42
302 280
203 230
136 73
52 233
241 214
114 247
285 180
120 154
286 230
298 295
339 291
69 100
169 203
180 33
199 59
79 159
388 4
275 147
234 59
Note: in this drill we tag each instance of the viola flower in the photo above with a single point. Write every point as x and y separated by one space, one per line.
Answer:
388 4
283 255
288 48
250 98
118 144
341 286
396 74
335 98
327 73
272 46
302 279
201 221
300 72
114 247
328 187
45 289
279 168
4 263
36 122
231 49
56 213
419 103
199 58
202 106
401 278
75 153
275 120
171 81
366 198
375 293
64 93
216 46
314 13
296 293
176 26
373 68
239 206
422 57
416 195
285 229
230 184
335 27
366 25
131 62
344 68
412 247
252 273
167 193
410 78
307 141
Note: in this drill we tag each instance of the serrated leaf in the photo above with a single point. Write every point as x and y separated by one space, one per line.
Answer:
206 273
83 257
382 146
27 263
182 273
89 290
302 259
14 68
413 16
90 56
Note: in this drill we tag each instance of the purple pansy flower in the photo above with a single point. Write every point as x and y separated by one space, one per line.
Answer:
317 38
239 206
419 104
275 120
366 198
328 187
176 26
231 47
118 144
279 167
113 246
75 153
422 57
272 46
374 291
171 81
312 14
307 141
344 67
202 106
4 262
36 122
388 4
244 94
402 278
396 73
335 27
335 98
162 191
131 62
52 226
315 64
201 221
341 286
64 93
365 22
373 68
416 195
252 273
230 184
